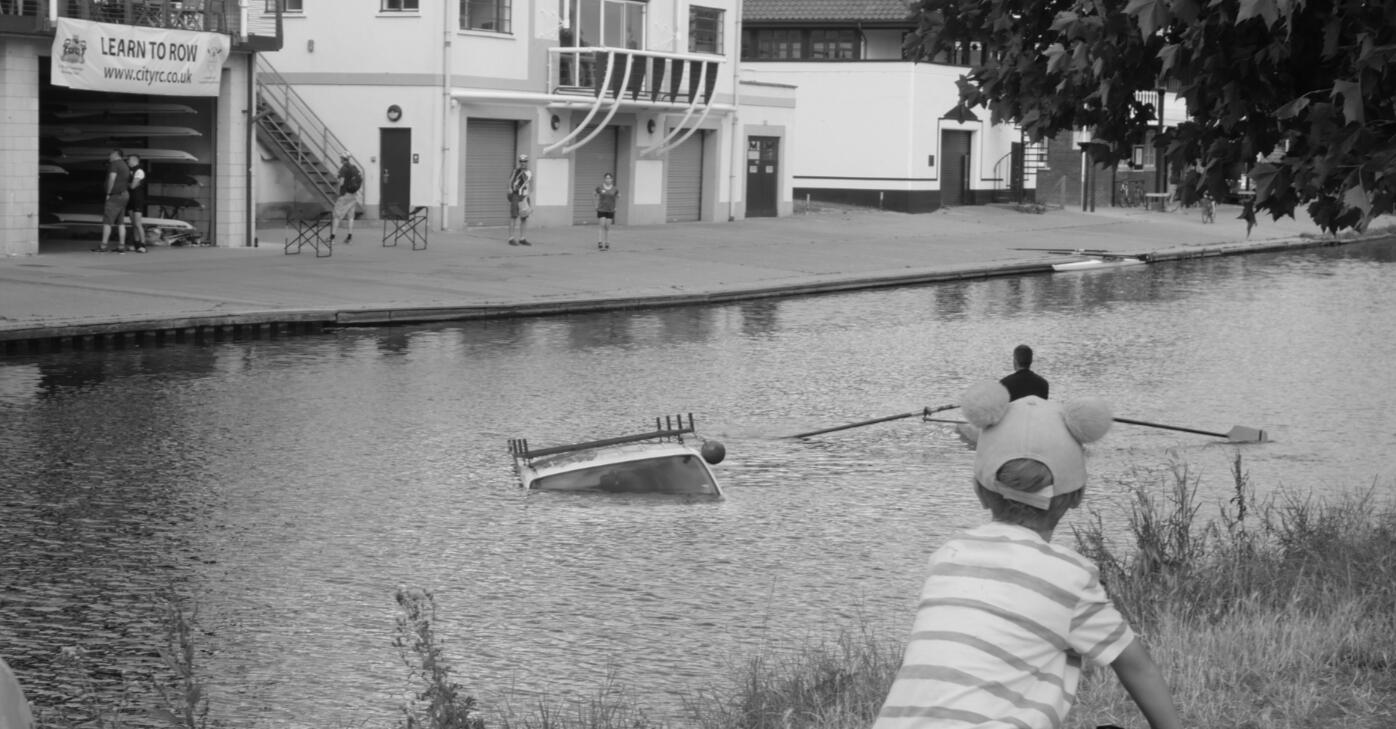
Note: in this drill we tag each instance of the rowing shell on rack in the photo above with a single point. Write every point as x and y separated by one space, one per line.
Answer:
100 153
72 133
78 110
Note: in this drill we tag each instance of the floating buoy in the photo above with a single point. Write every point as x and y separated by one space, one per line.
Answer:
713 451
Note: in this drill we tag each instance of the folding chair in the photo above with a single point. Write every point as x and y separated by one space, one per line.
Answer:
310 232
411 225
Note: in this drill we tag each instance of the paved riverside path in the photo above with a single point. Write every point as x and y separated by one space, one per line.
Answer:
68 289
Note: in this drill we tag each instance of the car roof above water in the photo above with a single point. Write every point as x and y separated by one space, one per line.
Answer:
663 468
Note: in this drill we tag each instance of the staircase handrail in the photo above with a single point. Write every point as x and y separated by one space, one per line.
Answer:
294 111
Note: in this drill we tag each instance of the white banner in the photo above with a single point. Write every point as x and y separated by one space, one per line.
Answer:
133 59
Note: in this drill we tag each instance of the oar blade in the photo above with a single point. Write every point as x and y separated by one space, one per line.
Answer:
1242 434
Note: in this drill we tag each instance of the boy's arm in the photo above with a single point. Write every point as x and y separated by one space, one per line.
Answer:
1144 682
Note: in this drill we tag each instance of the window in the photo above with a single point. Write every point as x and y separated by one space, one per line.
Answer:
400 6
287 6
609 23
495 15
832 44
792 44
705 30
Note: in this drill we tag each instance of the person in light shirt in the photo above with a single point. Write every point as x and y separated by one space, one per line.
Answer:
1006 618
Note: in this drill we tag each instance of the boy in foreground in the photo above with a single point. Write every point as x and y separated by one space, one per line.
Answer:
1006 617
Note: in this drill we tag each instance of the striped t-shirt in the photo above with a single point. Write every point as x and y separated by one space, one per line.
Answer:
1003 623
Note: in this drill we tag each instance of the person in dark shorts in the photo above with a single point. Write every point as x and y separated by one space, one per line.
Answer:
1024 381
118 182
135 206
520 201
606 194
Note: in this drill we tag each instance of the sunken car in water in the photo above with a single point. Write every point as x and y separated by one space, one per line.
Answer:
671 459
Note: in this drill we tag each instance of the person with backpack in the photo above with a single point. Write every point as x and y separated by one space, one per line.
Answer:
350 181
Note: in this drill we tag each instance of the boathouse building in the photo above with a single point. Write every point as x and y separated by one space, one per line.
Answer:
173 81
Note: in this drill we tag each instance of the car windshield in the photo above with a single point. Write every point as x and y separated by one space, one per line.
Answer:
677 474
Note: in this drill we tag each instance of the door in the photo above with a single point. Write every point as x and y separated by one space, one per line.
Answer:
395 181
683 182
489 160
954 167
762 176
592 161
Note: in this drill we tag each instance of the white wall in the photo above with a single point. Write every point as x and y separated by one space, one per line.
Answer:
879 121
349 61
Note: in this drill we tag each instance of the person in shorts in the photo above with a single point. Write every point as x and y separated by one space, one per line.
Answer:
117 186
520 201
135 206
606 194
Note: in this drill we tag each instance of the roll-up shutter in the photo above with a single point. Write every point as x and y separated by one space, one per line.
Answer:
684 181
489 159
593 160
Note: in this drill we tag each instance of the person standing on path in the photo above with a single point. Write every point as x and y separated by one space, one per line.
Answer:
606 194
135 206
520 201
117 183
349 181
1024 381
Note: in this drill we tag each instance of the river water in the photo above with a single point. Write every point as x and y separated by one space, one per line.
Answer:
285 488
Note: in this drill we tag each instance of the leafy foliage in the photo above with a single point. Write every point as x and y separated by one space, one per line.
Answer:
1299 94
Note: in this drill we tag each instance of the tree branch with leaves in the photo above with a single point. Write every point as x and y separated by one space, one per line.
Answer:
1299 95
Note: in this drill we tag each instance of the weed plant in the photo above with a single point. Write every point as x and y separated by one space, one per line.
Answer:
438 701
1278 614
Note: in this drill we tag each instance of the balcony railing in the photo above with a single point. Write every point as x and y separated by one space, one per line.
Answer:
253 23
645 76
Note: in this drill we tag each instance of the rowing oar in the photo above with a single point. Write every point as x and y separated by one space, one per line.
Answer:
924 412
1237 434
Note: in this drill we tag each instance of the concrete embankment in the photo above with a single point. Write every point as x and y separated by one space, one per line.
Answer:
70 297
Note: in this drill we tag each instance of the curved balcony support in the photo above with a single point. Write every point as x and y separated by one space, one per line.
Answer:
595 107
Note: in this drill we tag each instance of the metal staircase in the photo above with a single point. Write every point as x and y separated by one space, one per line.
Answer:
296 135
1034 156
1033 160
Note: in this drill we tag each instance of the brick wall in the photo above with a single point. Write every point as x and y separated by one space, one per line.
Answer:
1061 184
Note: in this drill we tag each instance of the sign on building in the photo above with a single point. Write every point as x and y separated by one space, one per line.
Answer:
132 59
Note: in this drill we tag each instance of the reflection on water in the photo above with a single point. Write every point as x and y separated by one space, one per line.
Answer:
288 486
